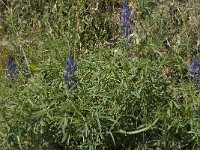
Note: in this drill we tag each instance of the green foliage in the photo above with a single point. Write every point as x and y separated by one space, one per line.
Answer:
128 96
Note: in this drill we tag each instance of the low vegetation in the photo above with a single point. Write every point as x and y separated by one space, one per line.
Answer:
101 74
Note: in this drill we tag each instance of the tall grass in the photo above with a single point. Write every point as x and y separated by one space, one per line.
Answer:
128 96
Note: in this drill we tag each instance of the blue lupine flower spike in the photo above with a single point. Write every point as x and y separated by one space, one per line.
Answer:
12 68
194 72
127 23
71 67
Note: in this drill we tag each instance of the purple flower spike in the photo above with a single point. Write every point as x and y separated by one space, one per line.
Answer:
194 68
12 68
194 72
127 23
71 67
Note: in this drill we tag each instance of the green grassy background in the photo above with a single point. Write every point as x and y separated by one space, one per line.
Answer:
135 96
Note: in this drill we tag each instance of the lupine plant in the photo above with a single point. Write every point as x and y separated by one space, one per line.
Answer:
12 68
71 67
194 72
127 22
128 101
